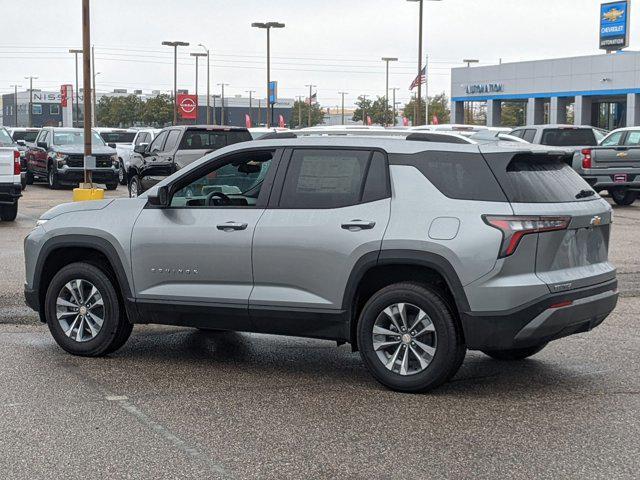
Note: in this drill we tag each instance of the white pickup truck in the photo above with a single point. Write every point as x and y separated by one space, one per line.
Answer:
10 186
124 141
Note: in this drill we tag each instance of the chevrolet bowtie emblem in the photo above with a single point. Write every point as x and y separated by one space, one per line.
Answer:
613 15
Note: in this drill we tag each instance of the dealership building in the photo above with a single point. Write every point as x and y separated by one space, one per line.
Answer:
599 90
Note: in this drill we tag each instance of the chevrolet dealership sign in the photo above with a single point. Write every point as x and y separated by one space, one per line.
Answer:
485 88
614 25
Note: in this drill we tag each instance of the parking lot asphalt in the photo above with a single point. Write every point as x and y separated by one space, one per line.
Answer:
180 403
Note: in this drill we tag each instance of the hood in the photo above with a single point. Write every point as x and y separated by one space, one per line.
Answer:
79 149
75 207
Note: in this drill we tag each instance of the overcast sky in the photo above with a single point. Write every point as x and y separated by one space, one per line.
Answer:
334 44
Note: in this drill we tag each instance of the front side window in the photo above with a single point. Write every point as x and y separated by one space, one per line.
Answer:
324 178
517 133
212 139
172 140
237 183
612 140
529 135
156 145
142 138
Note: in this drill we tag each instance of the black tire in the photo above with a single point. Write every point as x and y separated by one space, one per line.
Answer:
29 178
8 213
111 186
52 178
623 196
134 181
23 182
450 349
514 353
115 329
122 174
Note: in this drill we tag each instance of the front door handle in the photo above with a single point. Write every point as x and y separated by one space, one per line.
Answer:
355 225
231 226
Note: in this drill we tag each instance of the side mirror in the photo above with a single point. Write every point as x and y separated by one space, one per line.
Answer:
22 143
112 145
160 198
42 145
141 148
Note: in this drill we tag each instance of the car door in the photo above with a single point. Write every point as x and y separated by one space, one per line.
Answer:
148 164
39 155
191 261
612 151
328 210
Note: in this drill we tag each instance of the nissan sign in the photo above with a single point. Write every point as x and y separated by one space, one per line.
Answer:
187 106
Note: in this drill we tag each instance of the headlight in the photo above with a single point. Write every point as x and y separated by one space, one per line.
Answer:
114 160
61 159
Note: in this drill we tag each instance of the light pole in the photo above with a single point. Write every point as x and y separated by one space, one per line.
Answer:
15 101
364 109
419 96
309 111
208 83
175 46
31 79
197 55
250 92
468 110
222 99
300 98
76 52
394 105
342 94
469 61
386 60
268 26
93 111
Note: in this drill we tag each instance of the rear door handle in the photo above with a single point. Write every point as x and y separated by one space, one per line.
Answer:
355 225
230 226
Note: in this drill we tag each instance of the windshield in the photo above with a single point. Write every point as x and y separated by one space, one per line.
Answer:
29 136
211 139
5 138
569 137
75 137
118 137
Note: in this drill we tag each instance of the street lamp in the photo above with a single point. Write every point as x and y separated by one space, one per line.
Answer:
93 110
250 92
198 55
343 94
311 87
386 60
15 101
419 96
469 61
175 46
394 104
208 83
468 110
222 98
268 26
31 79
76 52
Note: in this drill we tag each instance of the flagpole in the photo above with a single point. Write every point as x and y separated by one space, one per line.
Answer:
426 89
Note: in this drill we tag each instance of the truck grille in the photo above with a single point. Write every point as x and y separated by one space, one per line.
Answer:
77 161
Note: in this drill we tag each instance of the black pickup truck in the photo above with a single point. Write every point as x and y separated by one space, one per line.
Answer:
174 148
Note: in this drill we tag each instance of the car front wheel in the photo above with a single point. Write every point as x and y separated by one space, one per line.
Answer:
409 338
122 175
52 177
84 313
134 186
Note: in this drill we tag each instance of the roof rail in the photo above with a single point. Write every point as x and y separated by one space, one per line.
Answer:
436 137
278 136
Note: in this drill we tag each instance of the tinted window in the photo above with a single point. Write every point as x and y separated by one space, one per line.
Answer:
633 139
568 137
118 137
211 139
172 140
463 176
156 145
5 138
142 138
613 139
529 135
529 178
324 178
517 133
28 137
377 186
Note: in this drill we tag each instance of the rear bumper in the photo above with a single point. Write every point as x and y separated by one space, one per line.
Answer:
607 178
76 175
10 193
542 320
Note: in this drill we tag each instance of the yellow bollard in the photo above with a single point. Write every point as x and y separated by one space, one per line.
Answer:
82 194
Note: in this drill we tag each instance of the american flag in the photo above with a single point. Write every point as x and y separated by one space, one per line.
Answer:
314 99
420 79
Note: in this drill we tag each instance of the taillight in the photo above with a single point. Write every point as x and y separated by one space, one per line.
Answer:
513 228
586 158
16 162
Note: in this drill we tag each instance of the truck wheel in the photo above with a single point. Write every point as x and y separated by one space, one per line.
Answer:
409 338
52 177
8 213
111 186
623 196
134 186
83 311
29 178
122 175
514 353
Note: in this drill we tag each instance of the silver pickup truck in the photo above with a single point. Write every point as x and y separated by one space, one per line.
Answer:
614 165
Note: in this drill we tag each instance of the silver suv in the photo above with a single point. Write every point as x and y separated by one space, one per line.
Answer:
411 251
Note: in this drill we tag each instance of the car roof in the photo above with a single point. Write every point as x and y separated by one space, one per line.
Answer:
222 128
555 125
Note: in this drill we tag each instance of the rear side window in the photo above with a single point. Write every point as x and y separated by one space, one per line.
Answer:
212 139
463 176
568 137
325 178
529 135
527 178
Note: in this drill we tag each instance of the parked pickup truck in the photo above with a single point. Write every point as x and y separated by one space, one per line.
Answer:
175 148
614 165
6 140
10 187
144 137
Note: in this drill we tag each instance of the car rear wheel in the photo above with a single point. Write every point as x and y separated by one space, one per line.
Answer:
134 186
111 186
623 196
8 213
52 177
83 311
409 338
29 178
514 353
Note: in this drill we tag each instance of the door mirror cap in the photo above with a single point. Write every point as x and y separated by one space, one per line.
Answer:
141 148
160 198
42 145
112 145
22 143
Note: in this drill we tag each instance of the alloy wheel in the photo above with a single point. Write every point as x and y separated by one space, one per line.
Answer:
404 339
80 310
133 188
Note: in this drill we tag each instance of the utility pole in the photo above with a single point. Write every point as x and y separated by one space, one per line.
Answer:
175 46
93 90
364 109
343 94
208 84
222 99
86 77
259 112
197 55
15 102
76 103
309 111
250 92
394 105
300 98
386 60
31 79
268 26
